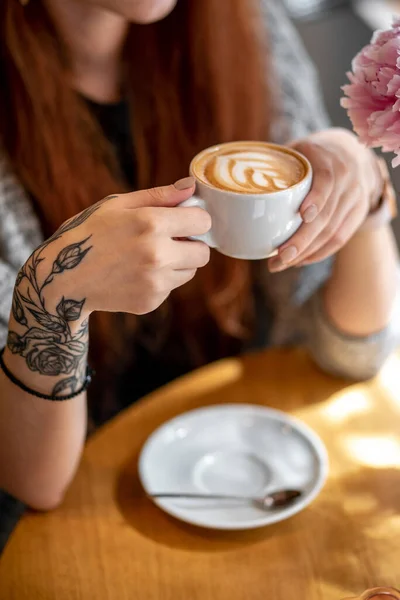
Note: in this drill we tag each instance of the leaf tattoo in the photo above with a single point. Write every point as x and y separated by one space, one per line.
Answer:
20 276
65 385
49 321
18 311
15 343
70 310
34 333
47 345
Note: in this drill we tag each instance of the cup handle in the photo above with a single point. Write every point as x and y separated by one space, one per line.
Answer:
207 238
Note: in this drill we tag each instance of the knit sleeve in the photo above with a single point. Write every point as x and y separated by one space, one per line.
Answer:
301 319
300 108
20 234
355 357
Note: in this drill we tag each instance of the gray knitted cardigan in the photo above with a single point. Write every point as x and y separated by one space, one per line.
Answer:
298 313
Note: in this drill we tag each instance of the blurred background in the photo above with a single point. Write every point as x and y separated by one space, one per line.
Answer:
333 32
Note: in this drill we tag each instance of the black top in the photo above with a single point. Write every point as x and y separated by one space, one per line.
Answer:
114 120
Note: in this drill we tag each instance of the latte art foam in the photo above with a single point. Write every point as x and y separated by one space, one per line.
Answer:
249 168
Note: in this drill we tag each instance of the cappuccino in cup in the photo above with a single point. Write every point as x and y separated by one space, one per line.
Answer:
253 192
249 168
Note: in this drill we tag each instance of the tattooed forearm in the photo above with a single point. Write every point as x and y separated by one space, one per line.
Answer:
49 344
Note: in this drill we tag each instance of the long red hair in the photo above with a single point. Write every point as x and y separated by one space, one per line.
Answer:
194 79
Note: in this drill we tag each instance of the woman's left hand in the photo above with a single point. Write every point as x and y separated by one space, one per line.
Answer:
347 185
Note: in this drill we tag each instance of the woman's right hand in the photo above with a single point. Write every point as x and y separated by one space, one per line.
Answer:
122 255
119 255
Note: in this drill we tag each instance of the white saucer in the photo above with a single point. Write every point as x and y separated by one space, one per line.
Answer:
233 448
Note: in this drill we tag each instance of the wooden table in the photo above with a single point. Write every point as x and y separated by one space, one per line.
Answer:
108 542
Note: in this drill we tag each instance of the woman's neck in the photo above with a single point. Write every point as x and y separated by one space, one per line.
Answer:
94 38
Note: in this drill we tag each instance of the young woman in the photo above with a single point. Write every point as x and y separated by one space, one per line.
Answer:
102 97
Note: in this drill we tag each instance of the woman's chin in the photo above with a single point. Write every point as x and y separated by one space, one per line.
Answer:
140 11
161 9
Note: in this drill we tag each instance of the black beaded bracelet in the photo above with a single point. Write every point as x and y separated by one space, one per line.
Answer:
25 388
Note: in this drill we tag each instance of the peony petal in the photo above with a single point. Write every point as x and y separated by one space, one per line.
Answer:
379 122
389 78
380 36
372 96
394 128
360 96
388 54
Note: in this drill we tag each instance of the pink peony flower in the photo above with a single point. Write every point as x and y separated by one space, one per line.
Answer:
373 94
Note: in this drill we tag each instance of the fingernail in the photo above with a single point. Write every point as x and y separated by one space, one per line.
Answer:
288 254
310 214
185 183
276 266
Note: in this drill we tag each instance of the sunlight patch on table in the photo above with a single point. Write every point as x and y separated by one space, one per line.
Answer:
374 451
346 405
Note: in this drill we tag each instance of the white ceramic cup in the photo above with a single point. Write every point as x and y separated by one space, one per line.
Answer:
250 226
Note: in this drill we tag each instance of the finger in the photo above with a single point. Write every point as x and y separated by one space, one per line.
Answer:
344 231
323 179
349 215
333 246
169 195
315 217
331 230
296 247
189 255
181 277
310 236
172 222
344 208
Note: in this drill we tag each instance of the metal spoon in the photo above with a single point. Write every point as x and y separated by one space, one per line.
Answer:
278 499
